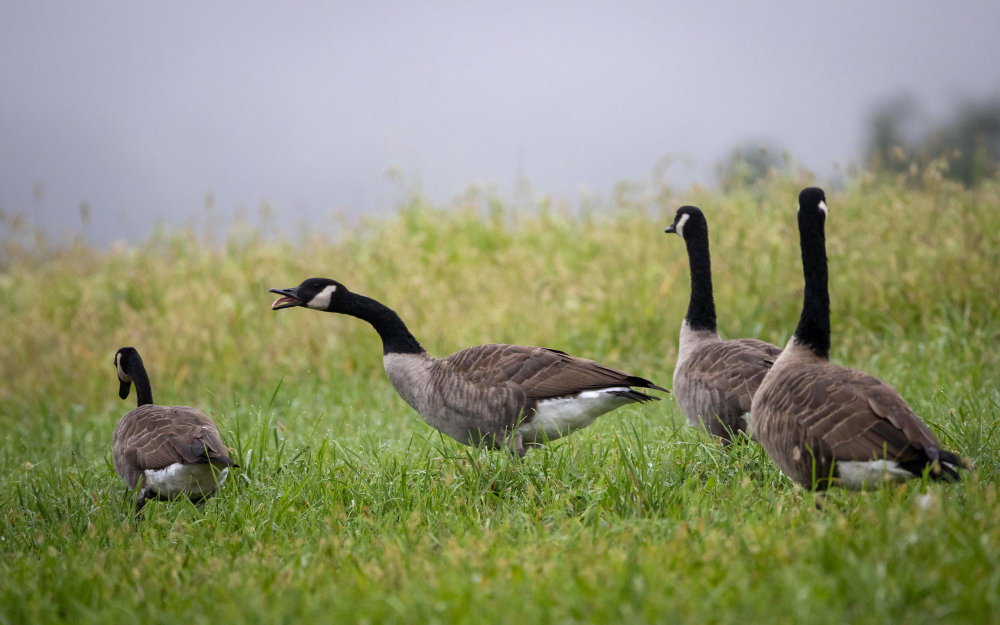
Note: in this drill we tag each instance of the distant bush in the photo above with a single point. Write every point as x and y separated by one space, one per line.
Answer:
750 163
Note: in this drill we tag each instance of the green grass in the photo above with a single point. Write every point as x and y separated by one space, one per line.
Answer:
348 508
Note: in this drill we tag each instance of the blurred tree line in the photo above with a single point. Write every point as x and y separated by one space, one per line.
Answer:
900 139
968 140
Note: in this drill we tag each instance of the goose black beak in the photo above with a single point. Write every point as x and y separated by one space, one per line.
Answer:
123 389
670 229
288 298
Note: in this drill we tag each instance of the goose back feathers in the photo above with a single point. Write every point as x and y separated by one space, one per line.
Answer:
165 451
828 425
714 380
492 395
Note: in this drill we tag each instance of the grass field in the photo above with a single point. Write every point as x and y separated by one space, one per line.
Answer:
348 508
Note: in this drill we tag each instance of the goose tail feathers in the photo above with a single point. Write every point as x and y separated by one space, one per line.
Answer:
634 380
636 396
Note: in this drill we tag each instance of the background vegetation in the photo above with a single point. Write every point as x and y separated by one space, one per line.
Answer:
348 508
901 138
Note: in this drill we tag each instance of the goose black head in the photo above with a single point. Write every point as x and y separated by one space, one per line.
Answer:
317 293
689 218
126 359
812 202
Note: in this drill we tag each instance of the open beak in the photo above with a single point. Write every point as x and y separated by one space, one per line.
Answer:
670 229
124 389
287 300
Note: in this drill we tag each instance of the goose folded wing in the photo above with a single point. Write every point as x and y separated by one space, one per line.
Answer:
733 369
758 349
179 435
746 368
856 417
498 384
542 373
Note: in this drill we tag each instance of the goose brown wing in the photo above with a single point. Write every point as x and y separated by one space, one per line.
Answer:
497 384
761 349
155 437
733 369
541 373
854 416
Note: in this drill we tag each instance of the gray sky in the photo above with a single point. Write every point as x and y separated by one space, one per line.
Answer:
143 107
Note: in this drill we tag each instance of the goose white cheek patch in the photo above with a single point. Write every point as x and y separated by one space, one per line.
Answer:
822 206
680 224
121 374
322 299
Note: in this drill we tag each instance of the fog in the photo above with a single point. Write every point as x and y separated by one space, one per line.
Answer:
140 110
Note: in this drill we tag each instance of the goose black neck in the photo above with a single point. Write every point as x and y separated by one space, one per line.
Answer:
143 391
396 338
814 323
701 308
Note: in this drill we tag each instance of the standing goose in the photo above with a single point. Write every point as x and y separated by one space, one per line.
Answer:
714 380
494 395
828 425
167 450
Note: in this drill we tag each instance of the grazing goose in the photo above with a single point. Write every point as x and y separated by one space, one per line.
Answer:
714 380
494 395
828 425
169 450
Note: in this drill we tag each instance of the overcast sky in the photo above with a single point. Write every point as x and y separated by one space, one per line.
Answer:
142 107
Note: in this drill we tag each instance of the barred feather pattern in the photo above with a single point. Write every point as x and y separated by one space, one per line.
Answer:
154 437
715 383
809 414
481 394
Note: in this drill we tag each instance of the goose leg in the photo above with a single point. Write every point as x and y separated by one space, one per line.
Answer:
516 445
140 503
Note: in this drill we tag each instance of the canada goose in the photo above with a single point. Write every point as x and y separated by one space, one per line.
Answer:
494 395
168 450
714 380
828 425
